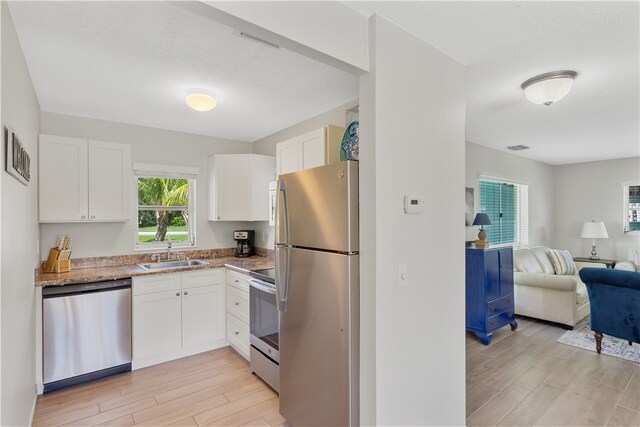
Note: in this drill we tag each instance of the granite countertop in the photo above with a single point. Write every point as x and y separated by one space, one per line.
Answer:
121 271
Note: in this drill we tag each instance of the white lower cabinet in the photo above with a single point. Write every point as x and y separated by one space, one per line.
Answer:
177 315
157 324
238 312
202 315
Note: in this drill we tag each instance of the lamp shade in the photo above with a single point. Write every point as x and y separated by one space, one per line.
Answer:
481 219
594 230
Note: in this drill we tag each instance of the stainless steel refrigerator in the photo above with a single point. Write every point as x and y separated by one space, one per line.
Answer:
317 285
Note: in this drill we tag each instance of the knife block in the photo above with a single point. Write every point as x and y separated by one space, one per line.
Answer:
58 261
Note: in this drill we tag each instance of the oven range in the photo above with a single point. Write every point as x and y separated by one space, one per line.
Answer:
264 327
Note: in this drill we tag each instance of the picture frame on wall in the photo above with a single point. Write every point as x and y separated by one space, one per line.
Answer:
468 206
17 160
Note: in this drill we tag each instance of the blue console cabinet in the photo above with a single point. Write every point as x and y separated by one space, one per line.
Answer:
489 291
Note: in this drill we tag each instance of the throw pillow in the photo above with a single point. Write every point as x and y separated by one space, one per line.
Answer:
562 262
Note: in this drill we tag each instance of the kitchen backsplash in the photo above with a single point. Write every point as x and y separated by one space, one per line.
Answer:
109 261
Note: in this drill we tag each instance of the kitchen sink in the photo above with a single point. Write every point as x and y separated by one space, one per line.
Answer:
172 264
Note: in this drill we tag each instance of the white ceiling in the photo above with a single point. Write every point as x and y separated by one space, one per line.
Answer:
133 62
504 43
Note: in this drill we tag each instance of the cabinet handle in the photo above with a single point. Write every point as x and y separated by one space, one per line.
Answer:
93 217
492 307
186 292
510 314
492 322
236 280
83 216
508 300
237 333
177 294
237 303
218 216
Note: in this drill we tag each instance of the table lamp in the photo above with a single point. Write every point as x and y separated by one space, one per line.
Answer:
594 230
482 219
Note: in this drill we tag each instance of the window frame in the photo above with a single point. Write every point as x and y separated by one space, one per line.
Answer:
190 243
521 224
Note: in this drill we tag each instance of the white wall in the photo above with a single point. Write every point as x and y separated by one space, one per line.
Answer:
539 176
19 224
148 145
589 191
412 109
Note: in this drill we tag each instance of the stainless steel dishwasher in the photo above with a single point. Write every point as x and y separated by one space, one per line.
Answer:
86 332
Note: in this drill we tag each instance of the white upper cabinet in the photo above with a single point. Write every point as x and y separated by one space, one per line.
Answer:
109 181
239 187
63 179
83 180
316 148
288 156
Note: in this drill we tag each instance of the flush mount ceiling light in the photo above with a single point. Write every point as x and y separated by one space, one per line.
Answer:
548 88
200 100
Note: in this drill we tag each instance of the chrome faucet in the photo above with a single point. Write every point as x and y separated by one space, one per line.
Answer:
169 249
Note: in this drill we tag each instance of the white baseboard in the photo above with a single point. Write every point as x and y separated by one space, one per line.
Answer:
33 410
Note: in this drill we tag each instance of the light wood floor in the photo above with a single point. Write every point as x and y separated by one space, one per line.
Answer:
213 388
526 378
523 378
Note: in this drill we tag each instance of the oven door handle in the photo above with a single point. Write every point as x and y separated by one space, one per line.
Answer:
258 285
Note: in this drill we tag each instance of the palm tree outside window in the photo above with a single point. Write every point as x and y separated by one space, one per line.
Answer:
165 212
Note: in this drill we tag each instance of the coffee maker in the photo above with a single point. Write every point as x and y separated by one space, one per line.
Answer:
245 239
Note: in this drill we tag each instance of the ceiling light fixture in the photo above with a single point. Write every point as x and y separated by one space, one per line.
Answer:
201 100
548 88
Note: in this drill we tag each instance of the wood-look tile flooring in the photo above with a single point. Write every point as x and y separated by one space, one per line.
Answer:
526 378
522 378
213 388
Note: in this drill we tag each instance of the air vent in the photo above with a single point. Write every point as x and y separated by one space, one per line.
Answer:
256 39
518 147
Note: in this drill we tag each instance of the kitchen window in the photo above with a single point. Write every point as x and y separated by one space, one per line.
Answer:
507 205
165 208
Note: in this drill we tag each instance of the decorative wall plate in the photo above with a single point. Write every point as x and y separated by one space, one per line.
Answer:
350 146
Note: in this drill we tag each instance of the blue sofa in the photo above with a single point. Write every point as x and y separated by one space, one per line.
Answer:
614 296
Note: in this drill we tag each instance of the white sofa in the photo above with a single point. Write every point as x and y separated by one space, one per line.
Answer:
540 293
633 263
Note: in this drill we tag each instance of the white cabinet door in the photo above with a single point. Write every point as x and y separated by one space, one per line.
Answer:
63 179
202 315
288 156
109 181
157 324
312 149
239 187
232 179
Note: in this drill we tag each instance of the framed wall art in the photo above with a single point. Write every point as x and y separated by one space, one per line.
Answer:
17 160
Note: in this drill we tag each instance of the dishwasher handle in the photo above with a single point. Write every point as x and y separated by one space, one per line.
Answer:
66 290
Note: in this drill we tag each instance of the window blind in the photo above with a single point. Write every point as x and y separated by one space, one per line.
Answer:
507 205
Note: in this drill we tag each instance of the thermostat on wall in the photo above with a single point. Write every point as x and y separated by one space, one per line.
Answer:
413 204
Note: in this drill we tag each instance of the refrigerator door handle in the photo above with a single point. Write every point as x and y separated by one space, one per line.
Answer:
282 277
282 214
